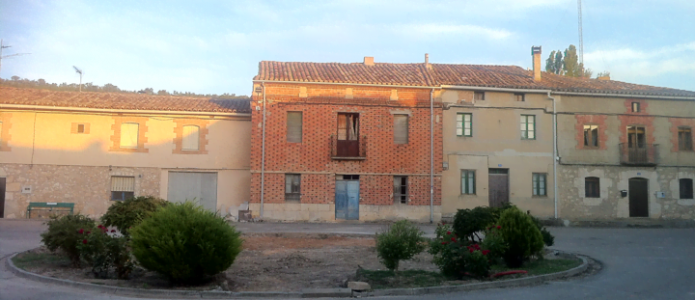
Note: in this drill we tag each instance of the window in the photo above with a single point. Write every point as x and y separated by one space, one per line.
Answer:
191 138
464 124
122 188
528 127
520 97
293 183
592 187
478 95
635 137
400 189
686 188
539 184
685 139
468 182
129 135
80 128
294 126
400 129
348 127
635 107
590 136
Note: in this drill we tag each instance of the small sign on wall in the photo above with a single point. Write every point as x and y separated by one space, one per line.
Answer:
660 195
26 189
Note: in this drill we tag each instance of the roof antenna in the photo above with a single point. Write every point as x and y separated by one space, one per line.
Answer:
3 46
79 72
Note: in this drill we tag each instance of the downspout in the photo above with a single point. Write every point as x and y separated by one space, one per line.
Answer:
554 154
263 153
432 156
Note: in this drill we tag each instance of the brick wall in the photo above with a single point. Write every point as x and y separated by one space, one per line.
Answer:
312 157
599 120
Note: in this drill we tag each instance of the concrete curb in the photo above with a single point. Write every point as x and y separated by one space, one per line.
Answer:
316 293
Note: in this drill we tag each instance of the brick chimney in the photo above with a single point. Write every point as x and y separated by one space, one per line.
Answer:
536 52
427 62
369 60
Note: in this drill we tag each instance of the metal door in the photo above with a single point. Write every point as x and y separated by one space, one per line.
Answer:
2 197
200 188
347 199
639 197
498 185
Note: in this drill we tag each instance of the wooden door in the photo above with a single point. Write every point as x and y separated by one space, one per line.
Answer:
498 186
639 197
347 199
2 197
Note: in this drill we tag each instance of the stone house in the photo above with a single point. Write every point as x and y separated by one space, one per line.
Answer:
95 148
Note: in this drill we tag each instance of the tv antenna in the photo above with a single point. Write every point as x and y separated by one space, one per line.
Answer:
2 46
79 71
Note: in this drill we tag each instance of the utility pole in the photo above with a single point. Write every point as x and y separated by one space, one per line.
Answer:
2 46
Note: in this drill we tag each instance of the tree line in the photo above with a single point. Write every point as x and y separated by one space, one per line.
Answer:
16 81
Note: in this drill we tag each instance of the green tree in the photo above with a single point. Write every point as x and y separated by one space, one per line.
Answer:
554 62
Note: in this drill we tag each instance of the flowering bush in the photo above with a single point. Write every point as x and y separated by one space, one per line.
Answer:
104 250
495 243
63 234
401 241
458 257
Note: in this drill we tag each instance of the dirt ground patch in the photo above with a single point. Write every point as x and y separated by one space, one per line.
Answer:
269 262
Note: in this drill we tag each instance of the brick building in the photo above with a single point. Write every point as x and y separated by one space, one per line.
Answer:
345 141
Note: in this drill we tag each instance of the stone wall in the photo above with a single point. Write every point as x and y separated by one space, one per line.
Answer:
326 212
88 187
610 205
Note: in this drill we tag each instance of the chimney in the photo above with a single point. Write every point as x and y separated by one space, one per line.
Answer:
369 60
536 52
607 77
427 62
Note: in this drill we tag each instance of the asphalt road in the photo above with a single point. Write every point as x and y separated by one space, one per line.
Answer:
637 264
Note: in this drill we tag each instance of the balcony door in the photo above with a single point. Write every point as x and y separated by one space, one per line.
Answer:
348 135
636 144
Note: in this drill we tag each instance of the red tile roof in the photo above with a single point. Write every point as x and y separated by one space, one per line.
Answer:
449 74
129 101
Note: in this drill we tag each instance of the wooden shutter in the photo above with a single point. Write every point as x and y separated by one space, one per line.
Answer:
294 127
191 138
400 129
129 135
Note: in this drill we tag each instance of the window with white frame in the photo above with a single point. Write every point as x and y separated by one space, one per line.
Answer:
528 127
468 182
191 138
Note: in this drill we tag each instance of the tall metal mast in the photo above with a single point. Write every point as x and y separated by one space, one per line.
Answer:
581 38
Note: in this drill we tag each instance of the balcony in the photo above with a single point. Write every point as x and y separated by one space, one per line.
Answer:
349 149
639 156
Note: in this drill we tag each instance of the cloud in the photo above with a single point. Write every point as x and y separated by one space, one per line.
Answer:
629 63
433 30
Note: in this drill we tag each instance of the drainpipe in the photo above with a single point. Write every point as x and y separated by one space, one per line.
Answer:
432 156
554 154
263 153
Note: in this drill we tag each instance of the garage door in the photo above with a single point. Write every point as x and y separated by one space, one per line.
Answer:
200 188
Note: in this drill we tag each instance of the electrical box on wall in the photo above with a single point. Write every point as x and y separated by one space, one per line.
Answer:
26 189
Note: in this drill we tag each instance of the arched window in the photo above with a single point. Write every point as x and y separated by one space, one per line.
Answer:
686 188
191 138
129 135
592 187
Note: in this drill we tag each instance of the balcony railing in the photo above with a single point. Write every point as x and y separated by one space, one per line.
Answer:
349 149
639 156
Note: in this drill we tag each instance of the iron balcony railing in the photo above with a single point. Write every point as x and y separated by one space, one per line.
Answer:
348 149
647 155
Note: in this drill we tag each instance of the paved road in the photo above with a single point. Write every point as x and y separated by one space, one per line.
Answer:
638 263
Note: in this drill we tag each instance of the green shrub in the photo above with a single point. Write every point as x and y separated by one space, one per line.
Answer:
548 239
469 222
401 241
185 243
128 213
521 236
104 251
495 243
63 233
457 257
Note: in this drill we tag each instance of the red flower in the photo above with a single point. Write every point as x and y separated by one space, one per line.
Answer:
471 250
443 243
444 222
113 230
81 231
448 232
499 227
476 246
84 241
100 226
453 239
88 232
485 252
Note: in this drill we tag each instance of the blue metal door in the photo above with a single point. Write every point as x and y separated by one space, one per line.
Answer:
347 199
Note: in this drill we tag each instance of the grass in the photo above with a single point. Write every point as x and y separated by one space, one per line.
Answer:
26 260
419 278
401 279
